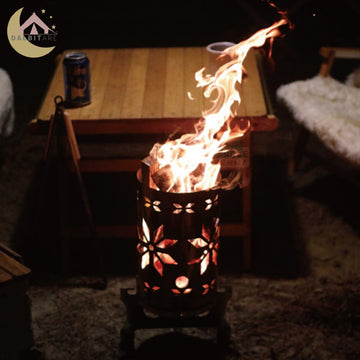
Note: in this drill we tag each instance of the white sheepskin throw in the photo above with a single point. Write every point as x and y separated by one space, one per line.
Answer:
328 108
7 113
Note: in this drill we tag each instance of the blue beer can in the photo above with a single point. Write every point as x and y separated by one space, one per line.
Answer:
76 79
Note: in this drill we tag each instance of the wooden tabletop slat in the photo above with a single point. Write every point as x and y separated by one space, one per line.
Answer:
149 84
253 97
153 101
116 85
100 66
174 84
135 85
192 63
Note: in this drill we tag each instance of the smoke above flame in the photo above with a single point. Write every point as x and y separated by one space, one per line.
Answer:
187 164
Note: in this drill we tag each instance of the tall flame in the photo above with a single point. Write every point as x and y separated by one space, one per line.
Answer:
188 160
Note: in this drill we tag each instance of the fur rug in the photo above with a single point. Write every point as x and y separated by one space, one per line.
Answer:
328 108
7 112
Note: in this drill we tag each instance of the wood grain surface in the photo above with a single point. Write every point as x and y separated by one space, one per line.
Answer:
128 85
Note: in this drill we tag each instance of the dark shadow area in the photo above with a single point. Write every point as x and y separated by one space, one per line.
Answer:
340 196
178 346
38 237
278 246
36 234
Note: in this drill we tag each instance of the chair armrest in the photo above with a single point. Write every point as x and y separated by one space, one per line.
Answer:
331 53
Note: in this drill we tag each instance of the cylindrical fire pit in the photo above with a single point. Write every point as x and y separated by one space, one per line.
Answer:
177 250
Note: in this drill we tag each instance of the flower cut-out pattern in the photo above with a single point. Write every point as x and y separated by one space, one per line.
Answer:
179 208
208 287
155 204
211 202
209 246
154 250
149 288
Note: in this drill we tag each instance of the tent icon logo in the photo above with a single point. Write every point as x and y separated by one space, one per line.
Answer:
35 22
33 37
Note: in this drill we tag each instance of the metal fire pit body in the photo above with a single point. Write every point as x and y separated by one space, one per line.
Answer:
177 251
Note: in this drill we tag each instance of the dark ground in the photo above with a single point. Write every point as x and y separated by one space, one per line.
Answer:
301 298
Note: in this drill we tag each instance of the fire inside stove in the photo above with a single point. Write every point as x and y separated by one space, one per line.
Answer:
178 250
179 194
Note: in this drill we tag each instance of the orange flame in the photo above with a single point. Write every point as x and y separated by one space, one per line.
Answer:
188 160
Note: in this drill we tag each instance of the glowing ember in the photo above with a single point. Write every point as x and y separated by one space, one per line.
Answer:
186 164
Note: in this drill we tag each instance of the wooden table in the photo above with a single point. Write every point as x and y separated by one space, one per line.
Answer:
144 91
135 90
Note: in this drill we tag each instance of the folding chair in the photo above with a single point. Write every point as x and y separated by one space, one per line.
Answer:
328 109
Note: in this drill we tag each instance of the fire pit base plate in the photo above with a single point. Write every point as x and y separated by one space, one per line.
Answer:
137 318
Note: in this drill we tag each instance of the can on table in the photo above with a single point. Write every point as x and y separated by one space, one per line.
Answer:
76 79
